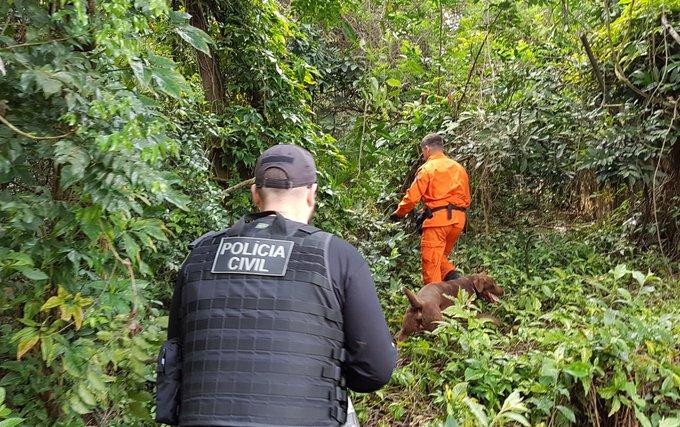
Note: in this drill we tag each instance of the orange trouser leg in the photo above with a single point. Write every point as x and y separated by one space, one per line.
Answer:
451 239
436 244
432 246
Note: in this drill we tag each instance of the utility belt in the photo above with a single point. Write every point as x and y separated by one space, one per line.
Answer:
428 213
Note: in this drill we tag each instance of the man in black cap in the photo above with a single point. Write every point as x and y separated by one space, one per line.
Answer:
272 319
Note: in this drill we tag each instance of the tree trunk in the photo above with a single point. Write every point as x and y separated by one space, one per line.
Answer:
213 87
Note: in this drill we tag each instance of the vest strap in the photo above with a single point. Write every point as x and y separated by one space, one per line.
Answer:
263 323
243 388
263 304
332 372
339 414
264 345
314 414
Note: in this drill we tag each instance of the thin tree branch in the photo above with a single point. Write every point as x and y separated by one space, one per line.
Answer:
656 171
594 64
472 67
669 27
16 46
238 186
28 135
623 79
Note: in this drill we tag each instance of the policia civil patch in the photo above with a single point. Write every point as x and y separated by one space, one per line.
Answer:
250 255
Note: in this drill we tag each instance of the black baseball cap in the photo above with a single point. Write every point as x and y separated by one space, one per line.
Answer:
296 162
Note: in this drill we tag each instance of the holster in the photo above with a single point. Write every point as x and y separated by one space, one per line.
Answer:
424 214
168 382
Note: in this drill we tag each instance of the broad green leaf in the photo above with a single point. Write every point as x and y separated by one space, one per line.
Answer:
47 83
96 381
518 418
578 369
2 394
164 72
393 82
451 422
78 406
11 422
52 302
568 413
670 422
196 38
616 405
141 396
641 278
85 395
620 271
32 273
477 410
549 369
140 71
138 410
27 343
642 418
47 349
624 293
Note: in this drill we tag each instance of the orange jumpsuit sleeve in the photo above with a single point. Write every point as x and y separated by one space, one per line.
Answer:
413 194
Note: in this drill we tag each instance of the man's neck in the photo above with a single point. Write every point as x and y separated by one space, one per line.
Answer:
436 155
288 213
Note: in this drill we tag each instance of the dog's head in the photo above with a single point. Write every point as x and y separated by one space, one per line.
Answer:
486 287
418 317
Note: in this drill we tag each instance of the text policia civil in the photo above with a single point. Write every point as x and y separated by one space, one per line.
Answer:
249 255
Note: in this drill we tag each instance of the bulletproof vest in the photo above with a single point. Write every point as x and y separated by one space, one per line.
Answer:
262 328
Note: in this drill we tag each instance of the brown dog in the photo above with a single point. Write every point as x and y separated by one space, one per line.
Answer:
426 307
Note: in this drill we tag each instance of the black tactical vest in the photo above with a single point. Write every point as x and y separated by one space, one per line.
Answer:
261 349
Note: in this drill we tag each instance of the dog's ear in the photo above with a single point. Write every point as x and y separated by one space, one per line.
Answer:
413 298
479 283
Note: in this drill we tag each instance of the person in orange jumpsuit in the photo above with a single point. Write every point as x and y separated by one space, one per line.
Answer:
443 186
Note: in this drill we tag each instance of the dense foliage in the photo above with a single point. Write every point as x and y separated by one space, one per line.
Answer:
128 128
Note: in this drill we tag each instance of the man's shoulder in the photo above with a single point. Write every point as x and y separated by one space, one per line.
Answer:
453 163
343 248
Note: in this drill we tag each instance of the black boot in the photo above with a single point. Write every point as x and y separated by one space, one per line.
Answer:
452 275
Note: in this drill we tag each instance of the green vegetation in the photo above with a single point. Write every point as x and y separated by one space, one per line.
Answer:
127 128
581 338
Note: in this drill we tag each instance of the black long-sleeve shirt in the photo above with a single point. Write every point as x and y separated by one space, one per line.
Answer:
371 353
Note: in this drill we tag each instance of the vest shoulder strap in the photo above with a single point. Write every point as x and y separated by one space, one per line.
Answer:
203 237
307 229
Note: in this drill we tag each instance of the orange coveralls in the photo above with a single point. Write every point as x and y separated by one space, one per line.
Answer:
439 181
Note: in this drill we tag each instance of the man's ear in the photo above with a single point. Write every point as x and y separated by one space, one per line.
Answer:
257 198
311 195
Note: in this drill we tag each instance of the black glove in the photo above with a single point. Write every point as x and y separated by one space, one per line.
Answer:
394 217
